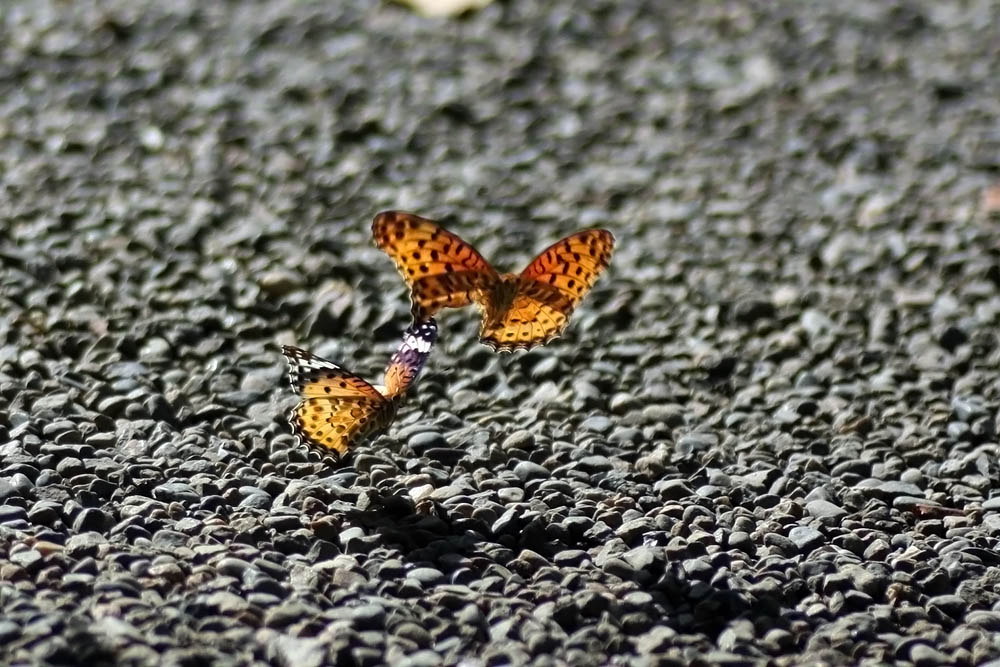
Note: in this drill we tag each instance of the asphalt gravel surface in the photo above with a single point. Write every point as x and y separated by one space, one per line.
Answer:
768 436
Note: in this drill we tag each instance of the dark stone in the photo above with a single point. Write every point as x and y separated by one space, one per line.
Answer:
176 492
90 519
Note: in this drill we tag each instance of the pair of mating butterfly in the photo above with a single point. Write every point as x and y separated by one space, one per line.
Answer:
520 311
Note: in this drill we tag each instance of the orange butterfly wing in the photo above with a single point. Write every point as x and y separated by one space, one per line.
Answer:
337 408
548 291
443 271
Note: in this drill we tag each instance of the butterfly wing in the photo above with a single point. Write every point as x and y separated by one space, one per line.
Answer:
548 291
337 408
443 271
537 314
409 360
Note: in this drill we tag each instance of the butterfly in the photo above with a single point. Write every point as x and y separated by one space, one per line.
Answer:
520 311
338 408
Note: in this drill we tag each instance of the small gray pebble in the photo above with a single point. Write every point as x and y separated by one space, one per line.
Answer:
526 470
427 576
825 510
597 423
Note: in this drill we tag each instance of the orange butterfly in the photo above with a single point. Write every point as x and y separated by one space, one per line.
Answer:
338 408
520 311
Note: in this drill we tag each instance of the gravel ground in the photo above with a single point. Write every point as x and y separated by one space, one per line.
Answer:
768 436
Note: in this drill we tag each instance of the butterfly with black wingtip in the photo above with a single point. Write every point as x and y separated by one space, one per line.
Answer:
338 408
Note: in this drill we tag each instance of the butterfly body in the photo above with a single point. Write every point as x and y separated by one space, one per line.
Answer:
338 408
520 311
499 297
